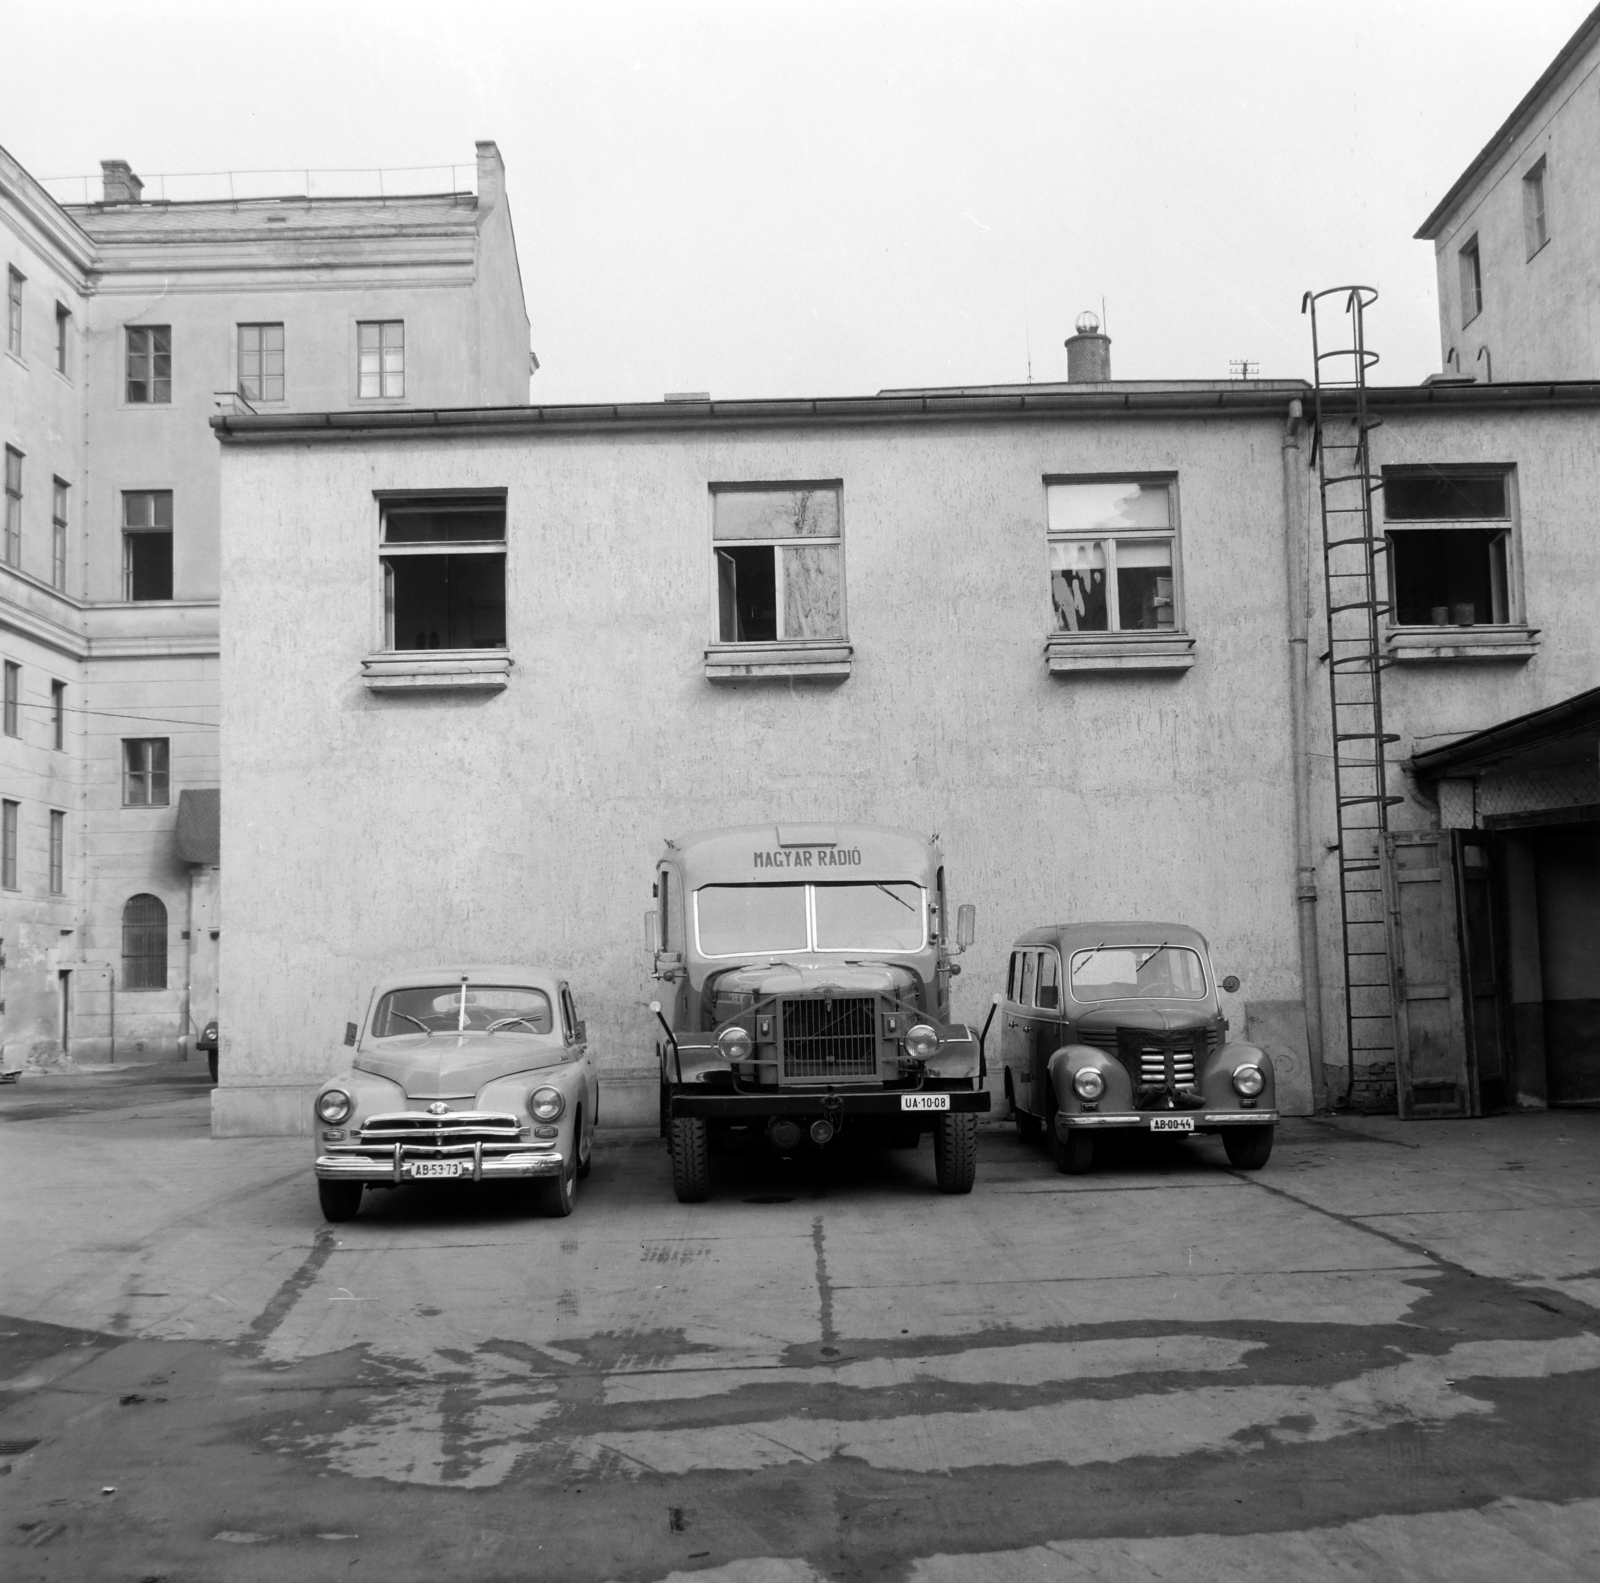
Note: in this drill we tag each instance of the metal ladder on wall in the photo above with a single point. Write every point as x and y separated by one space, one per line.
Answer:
1356 584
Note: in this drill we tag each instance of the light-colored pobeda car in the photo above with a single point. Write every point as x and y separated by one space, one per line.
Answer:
1116 1026
478 1074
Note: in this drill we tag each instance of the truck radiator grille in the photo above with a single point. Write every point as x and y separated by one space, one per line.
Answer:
825 1039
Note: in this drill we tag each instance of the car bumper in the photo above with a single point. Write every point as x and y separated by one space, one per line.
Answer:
1139 1120
400 1167
757 1107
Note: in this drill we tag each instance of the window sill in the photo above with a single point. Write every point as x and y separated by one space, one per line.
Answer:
1069 653
1513 642
437 670
818 659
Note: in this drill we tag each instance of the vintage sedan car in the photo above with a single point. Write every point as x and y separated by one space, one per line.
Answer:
478 1074
1116 1026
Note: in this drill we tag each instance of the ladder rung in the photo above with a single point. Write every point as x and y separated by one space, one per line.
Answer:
1376 606
1380 545
1362 736
1351 802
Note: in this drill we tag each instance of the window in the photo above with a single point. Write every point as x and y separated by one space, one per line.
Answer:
13 544
58 534
1111 556
13 725
150 363
14 312
147 544
779 561
381 356
444 572
1534 223
58 852
1025 984
63 320
144 943
8 844
58 715
1047 992
1451 564
261 362
1471 282
145 772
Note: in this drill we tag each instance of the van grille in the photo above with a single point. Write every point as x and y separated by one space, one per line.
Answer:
829 1038
1161 1060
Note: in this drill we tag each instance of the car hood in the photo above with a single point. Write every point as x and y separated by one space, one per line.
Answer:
1148 1016
456 1066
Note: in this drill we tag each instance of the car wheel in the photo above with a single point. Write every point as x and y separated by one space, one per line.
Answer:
211 1061
955 1151
339 1200
555 1192
586 1162
691 1159
1249 1148
1073 1154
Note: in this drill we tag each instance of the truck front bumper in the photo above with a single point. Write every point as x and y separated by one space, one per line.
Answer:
758 1107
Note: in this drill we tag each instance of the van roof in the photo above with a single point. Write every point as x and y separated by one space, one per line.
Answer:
779 853
1085 936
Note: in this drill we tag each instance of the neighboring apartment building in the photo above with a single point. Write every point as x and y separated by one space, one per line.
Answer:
1517 238
128 323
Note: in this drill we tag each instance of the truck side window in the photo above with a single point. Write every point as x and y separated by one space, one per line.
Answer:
1025 988
1049 993
671 913
938 918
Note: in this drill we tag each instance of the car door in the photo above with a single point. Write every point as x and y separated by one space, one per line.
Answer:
576 1035
1046 1017
1016 1049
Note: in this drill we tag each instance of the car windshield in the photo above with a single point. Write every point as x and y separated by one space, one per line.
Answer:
1137 972
767 920
437 1008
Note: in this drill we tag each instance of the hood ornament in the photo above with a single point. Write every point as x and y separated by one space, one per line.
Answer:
438 1108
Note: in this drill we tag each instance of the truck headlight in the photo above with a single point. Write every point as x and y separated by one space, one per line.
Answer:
1087 1083
1248 1081
334 1106
922 1042
735 1043
546 1104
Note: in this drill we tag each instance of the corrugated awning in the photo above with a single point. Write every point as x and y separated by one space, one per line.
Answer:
200 825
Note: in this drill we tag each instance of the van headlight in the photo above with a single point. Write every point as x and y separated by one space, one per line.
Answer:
334 1106
1087 1083
1248 1081
735 1043
546 1104
922 1042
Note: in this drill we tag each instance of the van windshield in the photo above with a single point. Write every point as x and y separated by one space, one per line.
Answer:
1137 972
767 920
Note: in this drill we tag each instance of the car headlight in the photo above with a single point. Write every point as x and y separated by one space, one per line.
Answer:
922 1042
334 1106
1088 1083
735 1043
1248 1081
546 1104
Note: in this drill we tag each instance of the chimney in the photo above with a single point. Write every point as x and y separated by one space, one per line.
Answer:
120 183
491 174
1088 353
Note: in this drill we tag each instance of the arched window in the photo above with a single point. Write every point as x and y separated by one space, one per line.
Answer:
144 943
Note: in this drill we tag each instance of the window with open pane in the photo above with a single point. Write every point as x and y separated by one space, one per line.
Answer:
1112 562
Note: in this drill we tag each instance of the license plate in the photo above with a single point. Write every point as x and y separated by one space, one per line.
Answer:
423 1168
1172 1123
924 1101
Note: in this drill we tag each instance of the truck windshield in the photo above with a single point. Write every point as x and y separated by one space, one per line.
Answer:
1137 972
766 920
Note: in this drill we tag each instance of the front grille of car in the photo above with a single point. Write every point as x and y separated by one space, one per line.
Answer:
458 1130
825 1039
1160 1061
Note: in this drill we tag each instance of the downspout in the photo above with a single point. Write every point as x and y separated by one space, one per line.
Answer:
1305 888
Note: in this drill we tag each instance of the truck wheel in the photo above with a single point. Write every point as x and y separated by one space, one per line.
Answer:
955 1151
1249 1148
1074 1154
339 1200
555 1192
691 1159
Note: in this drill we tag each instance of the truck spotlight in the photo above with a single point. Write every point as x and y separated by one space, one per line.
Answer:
821 1131
735 1043
1248 1081
546 1104
921 1042
334 1106
1088 1083
783 1133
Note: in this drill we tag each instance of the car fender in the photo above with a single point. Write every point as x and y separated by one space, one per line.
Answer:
1216 1082
1072 1058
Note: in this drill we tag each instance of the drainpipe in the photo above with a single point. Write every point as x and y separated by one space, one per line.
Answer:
1296 534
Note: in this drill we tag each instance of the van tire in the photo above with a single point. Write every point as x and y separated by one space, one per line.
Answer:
955 1151
339 1200
1073 1154
691 1159
1249 1148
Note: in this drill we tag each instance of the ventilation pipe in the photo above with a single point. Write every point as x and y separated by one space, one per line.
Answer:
1088 353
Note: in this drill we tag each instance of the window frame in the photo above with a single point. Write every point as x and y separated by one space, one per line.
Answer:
1508 527
153 528
383 393
1470 258
11 550
387 553
10 819
1172 534
158 767
150 379
1536 206
260 353
60 493
58 852
58 715
11 700
63 344
149 955
15 280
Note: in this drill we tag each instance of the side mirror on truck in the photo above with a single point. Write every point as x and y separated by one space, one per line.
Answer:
966 925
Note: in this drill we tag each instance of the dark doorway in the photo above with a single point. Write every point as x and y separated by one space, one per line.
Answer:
1567 870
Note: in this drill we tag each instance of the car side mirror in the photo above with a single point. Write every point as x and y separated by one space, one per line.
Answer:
1230 983
349 1033
966 925
652 932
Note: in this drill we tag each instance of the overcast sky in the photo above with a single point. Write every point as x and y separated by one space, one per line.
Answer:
817 199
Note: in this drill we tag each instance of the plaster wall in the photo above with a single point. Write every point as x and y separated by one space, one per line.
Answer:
367 832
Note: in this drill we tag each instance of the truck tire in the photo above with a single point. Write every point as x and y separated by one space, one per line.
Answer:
339 1200
1249 1148
691 1159
955 1151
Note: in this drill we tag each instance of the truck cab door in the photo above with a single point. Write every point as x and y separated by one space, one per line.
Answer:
1016 1045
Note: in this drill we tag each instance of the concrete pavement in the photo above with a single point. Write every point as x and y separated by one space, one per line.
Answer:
1379 1357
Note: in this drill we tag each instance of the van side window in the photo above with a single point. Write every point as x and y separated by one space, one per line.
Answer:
1025 988
1011 978
1049 993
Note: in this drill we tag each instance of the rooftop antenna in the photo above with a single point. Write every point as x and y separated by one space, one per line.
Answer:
1027 337
1244 368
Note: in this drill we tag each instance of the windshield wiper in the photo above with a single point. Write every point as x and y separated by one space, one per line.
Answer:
901 899
409 1018
505 1022
1139 967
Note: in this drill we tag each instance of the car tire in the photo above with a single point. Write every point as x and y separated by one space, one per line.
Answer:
211 1061
691 1159
1073 1154
339 1200
955 1151
1249 1148
555 1192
